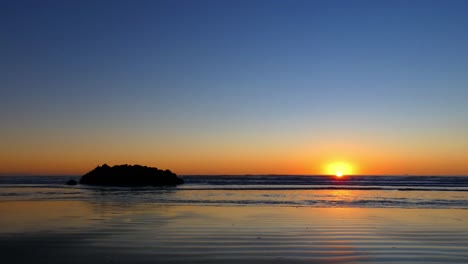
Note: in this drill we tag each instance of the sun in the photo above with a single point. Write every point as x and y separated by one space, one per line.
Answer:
339 169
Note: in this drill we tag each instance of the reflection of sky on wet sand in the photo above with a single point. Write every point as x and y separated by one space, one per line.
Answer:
112 231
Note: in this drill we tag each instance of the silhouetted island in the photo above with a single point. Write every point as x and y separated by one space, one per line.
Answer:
128 175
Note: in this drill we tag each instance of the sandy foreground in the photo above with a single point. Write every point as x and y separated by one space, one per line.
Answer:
79 232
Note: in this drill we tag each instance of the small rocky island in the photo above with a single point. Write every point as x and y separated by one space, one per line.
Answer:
130 175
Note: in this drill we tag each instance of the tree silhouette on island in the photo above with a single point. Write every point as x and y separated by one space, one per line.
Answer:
130 175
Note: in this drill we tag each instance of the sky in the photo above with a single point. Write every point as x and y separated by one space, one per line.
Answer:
234 87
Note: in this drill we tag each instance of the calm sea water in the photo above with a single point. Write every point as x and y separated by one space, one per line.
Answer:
237 219
310 191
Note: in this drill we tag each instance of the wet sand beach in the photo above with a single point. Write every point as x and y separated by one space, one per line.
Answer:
79 232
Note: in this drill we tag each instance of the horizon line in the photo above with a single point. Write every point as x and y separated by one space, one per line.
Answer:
250 174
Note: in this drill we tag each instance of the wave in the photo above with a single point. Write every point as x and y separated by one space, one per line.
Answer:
292 187
312 191
273 180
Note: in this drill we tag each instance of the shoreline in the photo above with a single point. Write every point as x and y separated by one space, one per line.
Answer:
97 232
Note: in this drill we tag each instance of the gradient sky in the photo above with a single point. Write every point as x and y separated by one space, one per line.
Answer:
234 87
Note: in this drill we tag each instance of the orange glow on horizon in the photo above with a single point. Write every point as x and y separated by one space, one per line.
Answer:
234 161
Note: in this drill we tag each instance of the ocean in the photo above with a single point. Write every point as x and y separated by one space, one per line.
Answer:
253 190
237 219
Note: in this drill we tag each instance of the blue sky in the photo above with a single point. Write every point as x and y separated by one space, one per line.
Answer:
264 74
